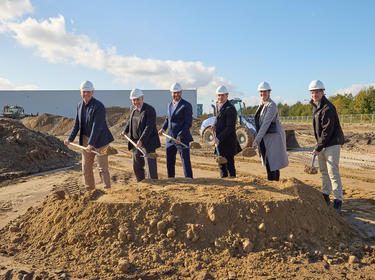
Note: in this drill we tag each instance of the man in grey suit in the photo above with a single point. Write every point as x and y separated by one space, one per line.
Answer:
141 128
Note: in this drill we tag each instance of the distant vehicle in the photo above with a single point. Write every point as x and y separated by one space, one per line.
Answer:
13 112
245 127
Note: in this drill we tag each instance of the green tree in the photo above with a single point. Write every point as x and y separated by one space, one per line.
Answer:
364 101
283 109
300 109
343 103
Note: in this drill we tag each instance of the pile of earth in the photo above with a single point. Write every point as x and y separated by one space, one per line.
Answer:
48 123
360 139
183 229
24 151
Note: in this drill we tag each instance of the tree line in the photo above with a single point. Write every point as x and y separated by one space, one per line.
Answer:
346 104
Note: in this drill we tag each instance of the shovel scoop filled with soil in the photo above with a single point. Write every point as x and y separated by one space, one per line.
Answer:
311 169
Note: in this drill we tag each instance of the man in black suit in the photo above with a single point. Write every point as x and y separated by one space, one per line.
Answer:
225 128
141 128
178 122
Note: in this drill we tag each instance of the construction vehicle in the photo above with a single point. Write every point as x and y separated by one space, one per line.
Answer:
245 128
13 112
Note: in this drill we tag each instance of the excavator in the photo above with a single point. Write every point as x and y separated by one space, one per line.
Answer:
13 112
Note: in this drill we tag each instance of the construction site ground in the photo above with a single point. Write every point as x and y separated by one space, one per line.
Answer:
204 228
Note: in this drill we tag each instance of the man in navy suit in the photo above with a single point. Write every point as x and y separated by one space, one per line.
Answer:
94 134
178 122
141 128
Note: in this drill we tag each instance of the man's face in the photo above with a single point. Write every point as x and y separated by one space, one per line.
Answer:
264 95
176 96
86 96
138 102
221 98
316 95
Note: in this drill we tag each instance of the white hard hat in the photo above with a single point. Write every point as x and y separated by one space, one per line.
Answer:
176 87
316 84
221 90
264 86
87 86
136 93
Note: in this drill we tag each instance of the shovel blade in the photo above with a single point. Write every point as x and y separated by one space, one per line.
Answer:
221 160
195 145
310 170
151 155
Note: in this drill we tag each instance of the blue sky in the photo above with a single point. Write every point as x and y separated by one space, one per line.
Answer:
47 44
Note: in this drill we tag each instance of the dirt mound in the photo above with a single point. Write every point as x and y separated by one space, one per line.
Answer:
360 139
116 115
51 124
24 151
159 229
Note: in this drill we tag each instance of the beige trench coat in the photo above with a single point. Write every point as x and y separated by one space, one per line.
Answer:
275 143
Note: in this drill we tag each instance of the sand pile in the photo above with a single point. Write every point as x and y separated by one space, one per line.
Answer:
180 228
24 151
48 123
116 115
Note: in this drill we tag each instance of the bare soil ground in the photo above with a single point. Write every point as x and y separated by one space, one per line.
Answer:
205 228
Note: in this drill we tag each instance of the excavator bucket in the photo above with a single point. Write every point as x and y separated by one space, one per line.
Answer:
291 141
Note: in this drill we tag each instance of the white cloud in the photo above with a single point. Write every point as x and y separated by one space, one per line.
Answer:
353 89
10 9
5 84
54 43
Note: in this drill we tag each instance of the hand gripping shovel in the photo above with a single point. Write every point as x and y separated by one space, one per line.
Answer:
148 155
311 169
84 148
220 159
193 145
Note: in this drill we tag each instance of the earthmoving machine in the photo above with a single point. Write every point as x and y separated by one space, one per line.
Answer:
245 128
13 112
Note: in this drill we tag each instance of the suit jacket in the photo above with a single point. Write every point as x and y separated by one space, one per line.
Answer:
146 128
179 123
275 143
97 125
225 125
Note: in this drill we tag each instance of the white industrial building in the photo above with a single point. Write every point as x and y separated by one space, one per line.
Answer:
63 102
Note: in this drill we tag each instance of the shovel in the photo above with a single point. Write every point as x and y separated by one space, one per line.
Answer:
193 145
84 148
106 151
311 169
148 155
248 152
219 158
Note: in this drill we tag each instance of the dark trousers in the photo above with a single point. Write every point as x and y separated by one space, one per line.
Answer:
228 167
139 163
171 161
271 175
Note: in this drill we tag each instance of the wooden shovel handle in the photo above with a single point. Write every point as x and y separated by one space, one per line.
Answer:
83 148
175 140
134 144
